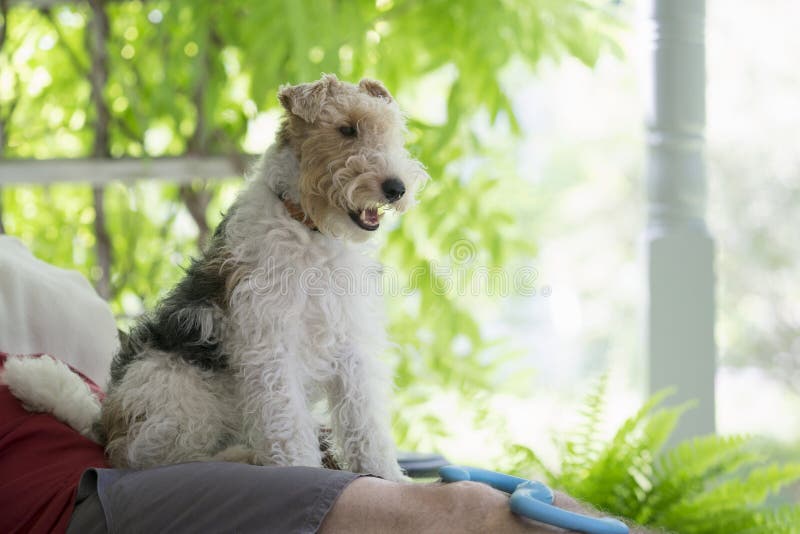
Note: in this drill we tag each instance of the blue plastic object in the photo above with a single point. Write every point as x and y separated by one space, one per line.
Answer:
533 500
503 482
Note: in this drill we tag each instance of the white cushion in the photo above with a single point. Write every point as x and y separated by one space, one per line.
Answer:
44 308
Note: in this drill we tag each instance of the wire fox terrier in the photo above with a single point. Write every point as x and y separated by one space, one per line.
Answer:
282 310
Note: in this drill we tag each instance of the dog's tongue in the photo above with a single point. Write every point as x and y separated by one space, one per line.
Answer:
370 216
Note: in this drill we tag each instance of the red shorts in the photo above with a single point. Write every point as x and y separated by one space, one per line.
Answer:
41 462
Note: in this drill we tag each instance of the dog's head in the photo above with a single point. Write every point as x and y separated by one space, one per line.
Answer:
349 144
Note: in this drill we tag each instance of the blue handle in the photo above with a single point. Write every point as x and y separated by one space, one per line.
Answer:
523 502
501 481
533 500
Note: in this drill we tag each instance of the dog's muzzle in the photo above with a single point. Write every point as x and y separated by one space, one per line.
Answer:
369 219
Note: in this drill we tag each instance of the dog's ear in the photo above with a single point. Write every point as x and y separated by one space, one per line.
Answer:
375 88
307 99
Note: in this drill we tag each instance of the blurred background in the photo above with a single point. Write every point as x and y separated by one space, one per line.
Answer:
125 128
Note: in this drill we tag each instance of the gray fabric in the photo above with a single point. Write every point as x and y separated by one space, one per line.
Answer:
88 516
206 497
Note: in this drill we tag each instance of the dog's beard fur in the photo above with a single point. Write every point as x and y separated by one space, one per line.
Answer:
330 192
340 175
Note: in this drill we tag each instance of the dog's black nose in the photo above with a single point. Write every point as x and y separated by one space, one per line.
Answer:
393 188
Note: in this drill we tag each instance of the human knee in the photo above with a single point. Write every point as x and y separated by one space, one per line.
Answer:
472 504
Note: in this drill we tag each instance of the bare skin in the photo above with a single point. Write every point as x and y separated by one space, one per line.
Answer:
376 506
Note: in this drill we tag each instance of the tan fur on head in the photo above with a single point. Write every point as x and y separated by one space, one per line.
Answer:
339 173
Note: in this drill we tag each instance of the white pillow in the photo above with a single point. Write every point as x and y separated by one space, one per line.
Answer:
44 308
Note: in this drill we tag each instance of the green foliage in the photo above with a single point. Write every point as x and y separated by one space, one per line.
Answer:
63 228
710 484
193 78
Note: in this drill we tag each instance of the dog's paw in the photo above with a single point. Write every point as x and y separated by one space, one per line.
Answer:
403 479
238 454
398 476
389 471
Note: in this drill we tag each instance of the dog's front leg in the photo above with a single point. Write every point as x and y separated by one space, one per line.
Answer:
360 421
278 422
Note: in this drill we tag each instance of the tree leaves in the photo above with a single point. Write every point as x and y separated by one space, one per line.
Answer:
180 73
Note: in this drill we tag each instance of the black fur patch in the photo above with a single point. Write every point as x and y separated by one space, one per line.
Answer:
170 327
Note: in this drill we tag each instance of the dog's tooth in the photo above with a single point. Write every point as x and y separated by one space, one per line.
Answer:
369 216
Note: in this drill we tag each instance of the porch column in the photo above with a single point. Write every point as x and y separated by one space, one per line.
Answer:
679 248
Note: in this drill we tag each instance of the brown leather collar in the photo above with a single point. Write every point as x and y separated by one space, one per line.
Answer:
296 212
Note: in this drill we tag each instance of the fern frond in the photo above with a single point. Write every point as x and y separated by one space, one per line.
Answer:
737 493
781 520
534 467
626 463
743 520
707 485
685 471
628 429
581 448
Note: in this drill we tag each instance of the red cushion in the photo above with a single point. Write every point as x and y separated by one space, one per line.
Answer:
41 461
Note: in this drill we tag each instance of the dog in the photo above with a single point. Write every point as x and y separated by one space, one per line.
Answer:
280 319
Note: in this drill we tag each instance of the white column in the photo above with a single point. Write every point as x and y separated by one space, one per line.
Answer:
680 250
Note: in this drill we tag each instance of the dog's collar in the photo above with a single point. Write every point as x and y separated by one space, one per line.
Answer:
296 212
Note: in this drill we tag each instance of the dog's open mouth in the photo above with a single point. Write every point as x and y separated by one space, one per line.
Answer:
368 219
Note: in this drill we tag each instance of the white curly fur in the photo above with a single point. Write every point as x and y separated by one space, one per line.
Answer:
311 340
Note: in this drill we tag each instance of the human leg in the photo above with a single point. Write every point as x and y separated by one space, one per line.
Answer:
382 507
222 497
379 506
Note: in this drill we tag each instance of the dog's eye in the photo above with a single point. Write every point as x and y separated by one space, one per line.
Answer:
348 131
